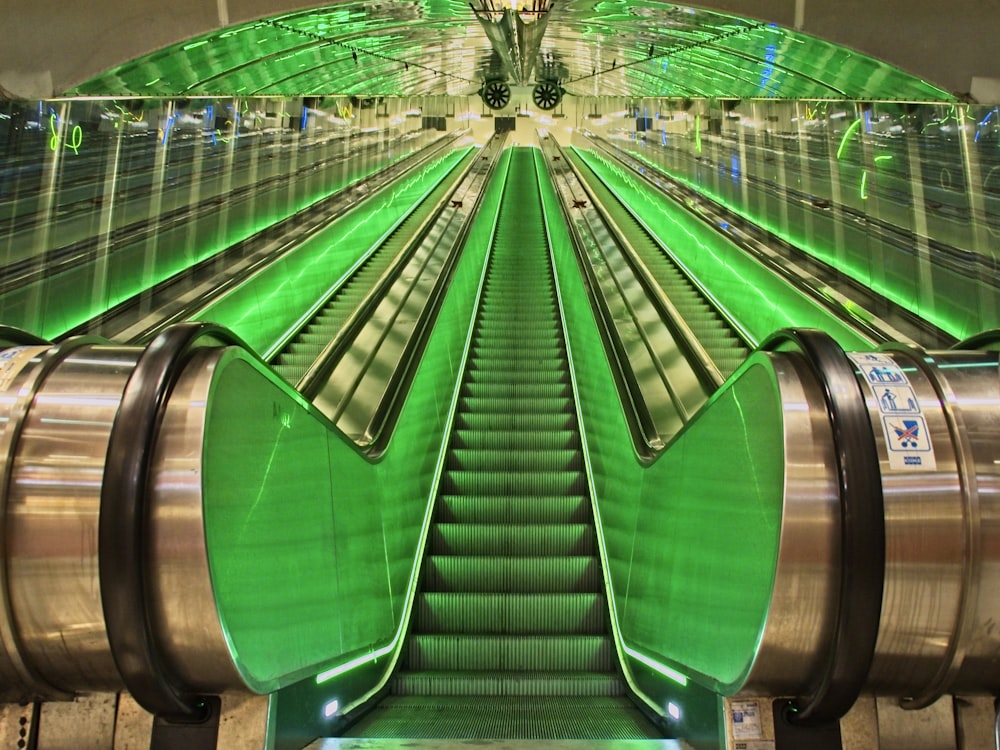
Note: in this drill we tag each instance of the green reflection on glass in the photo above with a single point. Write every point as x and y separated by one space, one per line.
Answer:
706 539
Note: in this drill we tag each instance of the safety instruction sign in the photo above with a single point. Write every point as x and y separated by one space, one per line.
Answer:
13 360
903 424
745 716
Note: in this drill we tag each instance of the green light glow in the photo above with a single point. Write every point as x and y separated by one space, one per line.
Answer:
347 666
882 158
864 185
759 300
666 671
710 54
847 134
697 134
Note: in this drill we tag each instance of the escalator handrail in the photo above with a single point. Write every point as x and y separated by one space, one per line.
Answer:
315 377
984 340
124 520
862 533
645 438
385 416
11 336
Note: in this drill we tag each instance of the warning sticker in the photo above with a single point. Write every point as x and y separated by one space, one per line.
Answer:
906 437
746 720
13 360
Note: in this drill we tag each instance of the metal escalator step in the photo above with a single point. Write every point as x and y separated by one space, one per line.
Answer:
514 483
481 405
538 509
515 717
559 390
507 683
513 376
510 540
519 460
500 439
525 575
521 422
501 613
481 360
505 653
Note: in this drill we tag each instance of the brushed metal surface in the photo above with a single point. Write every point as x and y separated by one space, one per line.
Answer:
20 379
924 550
802 612
941 609
181 602
52 519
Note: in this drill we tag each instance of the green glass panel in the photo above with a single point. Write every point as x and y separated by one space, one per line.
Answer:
312 546
706 535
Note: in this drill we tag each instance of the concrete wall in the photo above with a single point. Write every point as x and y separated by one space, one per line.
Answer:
48 46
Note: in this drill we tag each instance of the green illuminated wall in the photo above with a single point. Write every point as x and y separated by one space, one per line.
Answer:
104 199
900 197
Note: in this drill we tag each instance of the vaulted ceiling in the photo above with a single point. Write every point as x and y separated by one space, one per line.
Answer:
433 47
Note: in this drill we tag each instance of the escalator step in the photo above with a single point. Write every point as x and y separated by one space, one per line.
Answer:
514 483
476 717
518 390
507 683
511 540
502 613
515 439
515 406
526 575
475 459
505 653
538 509
521 422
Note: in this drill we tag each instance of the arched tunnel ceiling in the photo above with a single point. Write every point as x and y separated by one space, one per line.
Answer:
437 47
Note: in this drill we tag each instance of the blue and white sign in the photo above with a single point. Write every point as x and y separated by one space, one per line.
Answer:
905 429
13 360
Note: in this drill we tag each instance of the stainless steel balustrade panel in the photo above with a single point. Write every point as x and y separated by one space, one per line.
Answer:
924 532
181 598
53 509
801 616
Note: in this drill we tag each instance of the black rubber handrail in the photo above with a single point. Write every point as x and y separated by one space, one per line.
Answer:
985 340
124 521
862 528
11 336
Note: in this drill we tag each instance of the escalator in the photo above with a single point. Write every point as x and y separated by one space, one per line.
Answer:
512 603
715 333
295 358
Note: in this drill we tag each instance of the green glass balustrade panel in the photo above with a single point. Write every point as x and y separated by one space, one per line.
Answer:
675 529
312 547
758 299
262 310
706 535
294 537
